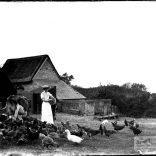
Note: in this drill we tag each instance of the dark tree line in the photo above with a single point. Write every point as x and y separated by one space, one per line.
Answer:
131 99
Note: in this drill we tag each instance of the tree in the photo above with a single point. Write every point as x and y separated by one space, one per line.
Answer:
67 78
138 87
127 85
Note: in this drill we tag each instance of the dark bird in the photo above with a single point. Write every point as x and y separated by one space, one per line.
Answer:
47 141
101 128
136 125
118 127
44 131
33 134
5 132
79 133
22 140
18 134
11 133
3 117
108 132
1 125
133 123
51 128
19 122
135 130
126 122
90 132
53 135
82 127
66 125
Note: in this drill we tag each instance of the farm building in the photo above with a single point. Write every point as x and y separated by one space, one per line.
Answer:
29 74
87 106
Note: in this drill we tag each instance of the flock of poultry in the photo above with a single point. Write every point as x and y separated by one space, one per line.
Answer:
22 132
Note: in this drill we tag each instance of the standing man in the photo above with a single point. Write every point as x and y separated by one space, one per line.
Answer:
54 106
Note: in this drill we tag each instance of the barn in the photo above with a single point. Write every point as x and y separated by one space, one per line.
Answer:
29 74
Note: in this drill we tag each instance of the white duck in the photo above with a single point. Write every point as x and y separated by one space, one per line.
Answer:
73 138
104 122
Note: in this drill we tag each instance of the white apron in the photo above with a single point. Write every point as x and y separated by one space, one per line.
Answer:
46 112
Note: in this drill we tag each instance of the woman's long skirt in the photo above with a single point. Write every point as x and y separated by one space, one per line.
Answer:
46 113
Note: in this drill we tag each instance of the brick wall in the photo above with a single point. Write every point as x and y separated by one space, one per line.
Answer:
46 72
87 107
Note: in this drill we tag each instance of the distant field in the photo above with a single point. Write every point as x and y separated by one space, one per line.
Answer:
119 143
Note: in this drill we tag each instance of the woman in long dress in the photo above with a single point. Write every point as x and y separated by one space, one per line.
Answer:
46 113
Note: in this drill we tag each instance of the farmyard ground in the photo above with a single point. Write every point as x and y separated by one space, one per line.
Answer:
120 143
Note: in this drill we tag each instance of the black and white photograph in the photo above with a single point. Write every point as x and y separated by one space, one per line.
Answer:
77 78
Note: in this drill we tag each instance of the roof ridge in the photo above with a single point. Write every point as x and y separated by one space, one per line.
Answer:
39 60
21 58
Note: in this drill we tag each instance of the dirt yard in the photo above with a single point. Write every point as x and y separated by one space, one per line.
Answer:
120 143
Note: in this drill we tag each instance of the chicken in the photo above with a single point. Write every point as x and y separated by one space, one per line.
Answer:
3 117
5 140
79 133
11 133
131 123
53 135
90 132
66 125
51 128
18 134
47 141
108 132
104 122
118 127
35 123
126 122
33 134
5 132
1 125
22 140
136 125
44 131
19 122
82 127
54 127
135 130
101 128
73 138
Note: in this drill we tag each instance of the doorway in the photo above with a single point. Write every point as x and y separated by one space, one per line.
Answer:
37 102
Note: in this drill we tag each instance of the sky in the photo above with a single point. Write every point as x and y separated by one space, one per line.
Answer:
99 43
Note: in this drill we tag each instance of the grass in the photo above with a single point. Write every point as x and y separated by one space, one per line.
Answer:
120 143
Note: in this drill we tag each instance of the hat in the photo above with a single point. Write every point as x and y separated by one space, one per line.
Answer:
45 86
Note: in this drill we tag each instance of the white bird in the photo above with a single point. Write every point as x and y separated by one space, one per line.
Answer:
73 138
104 122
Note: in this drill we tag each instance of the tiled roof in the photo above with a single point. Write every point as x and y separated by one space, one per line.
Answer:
23 69
63 91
